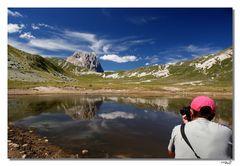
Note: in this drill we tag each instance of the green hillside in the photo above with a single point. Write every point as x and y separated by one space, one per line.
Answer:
66 66
24 61
206 73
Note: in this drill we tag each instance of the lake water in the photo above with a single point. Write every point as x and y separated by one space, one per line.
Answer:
135 127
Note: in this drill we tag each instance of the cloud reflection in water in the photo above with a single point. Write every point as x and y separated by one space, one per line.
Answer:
117 114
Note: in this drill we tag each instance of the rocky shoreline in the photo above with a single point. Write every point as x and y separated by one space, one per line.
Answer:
26 144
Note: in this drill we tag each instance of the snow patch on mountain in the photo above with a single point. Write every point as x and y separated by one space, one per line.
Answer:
90 73
216 59
161 72
114 76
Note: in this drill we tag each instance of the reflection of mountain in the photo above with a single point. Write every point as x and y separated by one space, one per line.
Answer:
153 103
77 107
25 106
84 108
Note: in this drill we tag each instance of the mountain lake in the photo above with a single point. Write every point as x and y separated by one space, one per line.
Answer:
109 126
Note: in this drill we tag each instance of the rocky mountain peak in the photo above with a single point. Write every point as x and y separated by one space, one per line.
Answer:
86 60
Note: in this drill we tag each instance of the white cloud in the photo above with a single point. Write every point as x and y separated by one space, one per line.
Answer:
128 42
45 26
200 50
27 35
67 40
119 59
117 114
23 46
106 48
35 27
96 45
55 44
14 13
120 48
137 42
103 45
182 53
13 28
152 59
41 25
84 36
175 60
193 48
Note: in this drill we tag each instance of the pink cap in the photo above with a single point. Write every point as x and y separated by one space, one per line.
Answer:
201 101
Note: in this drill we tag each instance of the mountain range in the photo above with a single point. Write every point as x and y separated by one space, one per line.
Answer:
84 69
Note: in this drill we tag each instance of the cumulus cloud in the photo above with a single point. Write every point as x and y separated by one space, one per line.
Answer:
14 13
117 114
27 35
119 59
13 28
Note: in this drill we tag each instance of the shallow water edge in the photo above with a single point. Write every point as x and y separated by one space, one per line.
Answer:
72 91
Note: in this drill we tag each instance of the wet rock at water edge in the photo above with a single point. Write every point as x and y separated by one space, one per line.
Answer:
24 156
84 152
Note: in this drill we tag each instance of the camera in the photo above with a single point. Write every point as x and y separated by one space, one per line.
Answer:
186 111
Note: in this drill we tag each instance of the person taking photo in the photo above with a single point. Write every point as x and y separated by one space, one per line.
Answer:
198 137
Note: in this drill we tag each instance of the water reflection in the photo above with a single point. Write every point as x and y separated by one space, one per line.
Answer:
82 108
223 113
86 108
129 126
160 104
117 114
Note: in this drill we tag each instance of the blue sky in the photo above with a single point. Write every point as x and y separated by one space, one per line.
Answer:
123 38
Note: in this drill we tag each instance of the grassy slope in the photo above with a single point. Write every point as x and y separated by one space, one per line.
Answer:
32 62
